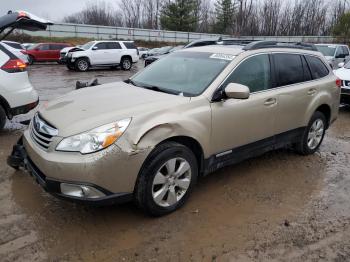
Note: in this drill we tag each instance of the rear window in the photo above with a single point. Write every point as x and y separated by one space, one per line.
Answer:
317 67
113 45
289 69
15 45
129 45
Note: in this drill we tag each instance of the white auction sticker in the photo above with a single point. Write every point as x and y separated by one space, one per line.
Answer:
223 56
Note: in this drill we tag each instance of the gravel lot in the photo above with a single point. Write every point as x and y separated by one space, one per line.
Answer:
280 206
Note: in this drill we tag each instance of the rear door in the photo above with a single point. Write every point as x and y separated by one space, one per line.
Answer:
115 51
43 53
296 90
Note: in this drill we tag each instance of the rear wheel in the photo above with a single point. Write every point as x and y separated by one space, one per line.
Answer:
2 118
82 65
167 179
126 63
313 135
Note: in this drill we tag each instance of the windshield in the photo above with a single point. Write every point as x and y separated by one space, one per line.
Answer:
189 73
326 50
87 45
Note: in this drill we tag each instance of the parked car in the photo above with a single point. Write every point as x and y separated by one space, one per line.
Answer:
158 54
17 96
343 73
334 53
102 54
27 45
194 111
17 49
45 52
143 51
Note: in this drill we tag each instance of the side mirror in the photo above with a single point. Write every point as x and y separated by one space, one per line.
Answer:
237 91
95 48
341 65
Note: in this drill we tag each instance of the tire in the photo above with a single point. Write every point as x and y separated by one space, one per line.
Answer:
82 64
126 63
315 131
154 179
3 118
31 60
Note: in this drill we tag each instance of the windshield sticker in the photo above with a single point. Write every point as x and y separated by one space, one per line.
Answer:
223 57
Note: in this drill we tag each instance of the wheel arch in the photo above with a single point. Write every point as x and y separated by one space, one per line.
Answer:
5 105
325 109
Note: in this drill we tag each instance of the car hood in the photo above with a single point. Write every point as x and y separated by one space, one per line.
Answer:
343 73
91 107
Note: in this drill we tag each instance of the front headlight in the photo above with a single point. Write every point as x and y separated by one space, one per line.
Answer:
96 139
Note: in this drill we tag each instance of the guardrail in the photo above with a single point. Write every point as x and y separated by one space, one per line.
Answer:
107 32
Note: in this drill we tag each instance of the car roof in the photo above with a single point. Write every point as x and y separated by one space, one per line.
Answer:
332 45
231 50
237 49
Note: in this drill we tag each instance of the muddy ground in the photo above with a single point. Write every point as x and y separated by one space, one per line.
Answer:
279 207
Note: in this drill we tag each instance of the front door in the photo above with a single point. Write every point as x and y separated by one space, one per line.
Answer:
100 54
250 122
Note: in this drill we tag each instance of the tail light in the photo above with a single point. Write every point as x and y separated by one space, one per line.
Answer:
14 66
338 82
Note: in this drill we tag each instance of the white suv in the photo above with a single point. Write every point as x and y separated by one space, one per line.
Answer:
17 95
102 54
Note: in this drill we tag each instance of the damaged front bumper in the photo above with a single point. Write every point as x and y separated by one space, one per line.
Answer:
70 190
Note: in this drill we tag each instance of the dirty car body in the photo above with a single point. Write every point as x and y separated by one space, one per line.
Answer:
177 117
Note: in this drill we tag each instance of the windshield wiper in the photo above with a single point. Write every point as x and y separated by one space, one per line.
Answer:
159 89
130 81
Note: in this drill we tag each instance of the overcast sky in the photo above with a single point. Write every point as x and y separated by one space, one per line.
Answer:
52 9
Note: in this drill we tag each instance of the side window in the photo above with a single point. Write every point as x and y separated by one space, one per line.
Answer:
317 67
254 72
339 53
101 46
345 51
113 45
307 72
129 45
54 47
44 47
289 69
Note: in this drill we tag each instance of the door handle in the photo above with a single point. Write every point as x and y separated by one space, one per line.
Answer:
312 91
270 102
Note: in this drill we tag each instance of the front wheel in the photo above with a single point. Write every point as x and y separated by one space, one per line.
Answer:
126 63
313 135
167 179
82 64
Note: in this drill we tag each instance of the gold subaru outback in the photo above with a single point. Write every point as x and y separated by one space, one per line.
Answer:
188 114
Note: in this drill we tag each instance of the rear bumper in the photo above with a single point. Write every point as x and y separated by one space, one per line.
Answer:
20 159
345 96
22 109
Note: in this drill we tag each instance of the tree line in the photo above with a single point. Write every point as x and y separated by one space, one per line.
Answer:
234 17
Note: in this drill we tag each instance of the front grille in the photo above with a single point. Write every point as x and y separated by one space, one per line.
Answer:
41 132
63 54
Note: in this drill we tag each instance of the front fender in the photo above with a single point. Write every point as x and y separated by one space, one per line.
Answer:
193 120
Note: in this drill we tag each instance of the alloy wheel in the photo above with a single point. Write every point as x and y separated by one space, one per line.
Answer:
171 182
315 134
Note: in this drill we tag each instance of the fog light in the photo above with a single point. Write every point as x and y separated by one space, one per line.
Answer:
82 191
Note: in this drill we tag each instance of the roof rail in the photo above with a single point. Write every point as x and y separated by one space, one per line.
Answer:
235 41
276 44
